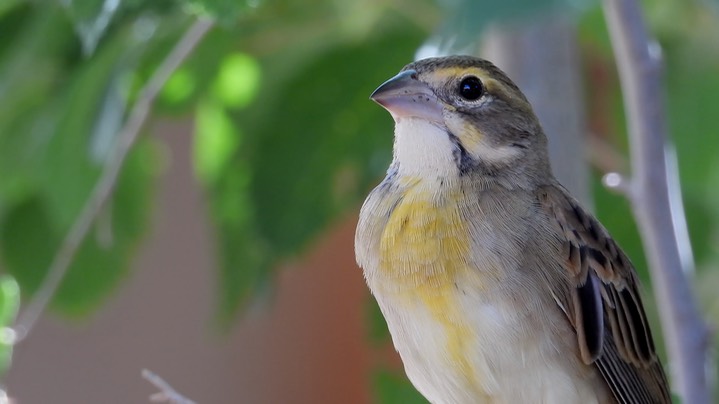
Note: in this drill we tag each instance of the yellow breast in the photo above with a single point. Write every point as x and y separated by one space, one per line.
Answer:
424 252
425 242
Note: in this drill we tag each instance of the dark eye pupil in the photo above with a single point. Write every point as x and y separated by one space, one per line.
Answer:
470 88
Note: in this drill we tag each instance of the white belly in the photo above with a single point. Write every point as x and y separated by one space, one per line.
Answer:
507 362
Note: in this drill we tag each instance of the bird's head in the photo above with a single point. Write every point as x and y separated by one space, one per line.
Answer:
461 115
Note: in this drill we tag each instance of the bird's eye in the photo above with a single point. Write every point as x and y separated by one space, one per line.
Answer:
471 88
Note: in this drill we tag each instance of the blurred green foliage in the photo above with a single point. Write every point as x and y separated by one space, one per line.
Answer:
392 388
285 138
9 304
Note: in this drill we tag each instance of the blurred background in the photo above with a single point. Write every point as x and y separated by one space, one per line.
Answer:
223 259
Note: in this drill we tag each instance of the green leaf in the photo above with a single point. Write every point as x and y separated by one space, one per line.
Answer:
393 388
9 300
238 80
179 87
9 305
27 239
30 68
216 140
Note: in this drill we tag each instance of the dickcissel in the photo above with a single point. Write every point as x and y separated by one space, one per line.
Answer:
496 285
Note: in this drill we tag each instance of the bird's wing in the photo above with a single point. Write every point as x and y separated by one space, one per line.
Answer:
603 304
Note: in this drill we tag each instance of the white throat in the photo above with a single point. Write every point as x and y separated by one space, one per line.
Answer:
423 149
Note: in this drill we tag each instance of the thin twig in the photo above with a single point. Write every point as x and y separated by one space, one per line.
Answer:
167 394
126 138
639 65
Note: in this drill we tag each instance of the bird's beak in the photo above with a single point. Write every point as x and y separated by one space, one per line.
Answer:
404 96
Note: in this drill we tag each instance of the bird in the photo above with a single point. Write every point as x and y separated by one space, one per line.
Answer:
497 286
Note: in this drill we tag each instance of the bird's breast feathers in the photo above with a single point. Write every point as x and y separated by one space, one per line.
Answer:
438 268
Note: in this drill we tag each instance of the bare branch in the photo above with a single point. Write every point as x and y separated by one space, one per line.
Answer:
166 394
106 184
639 65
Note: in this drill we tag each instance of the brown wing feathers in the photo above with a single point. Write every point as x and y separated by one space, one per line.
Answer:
604 305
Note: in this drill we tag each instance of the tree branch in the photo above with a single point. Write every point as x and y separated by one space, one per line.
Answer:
166 394
108 180
639 65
